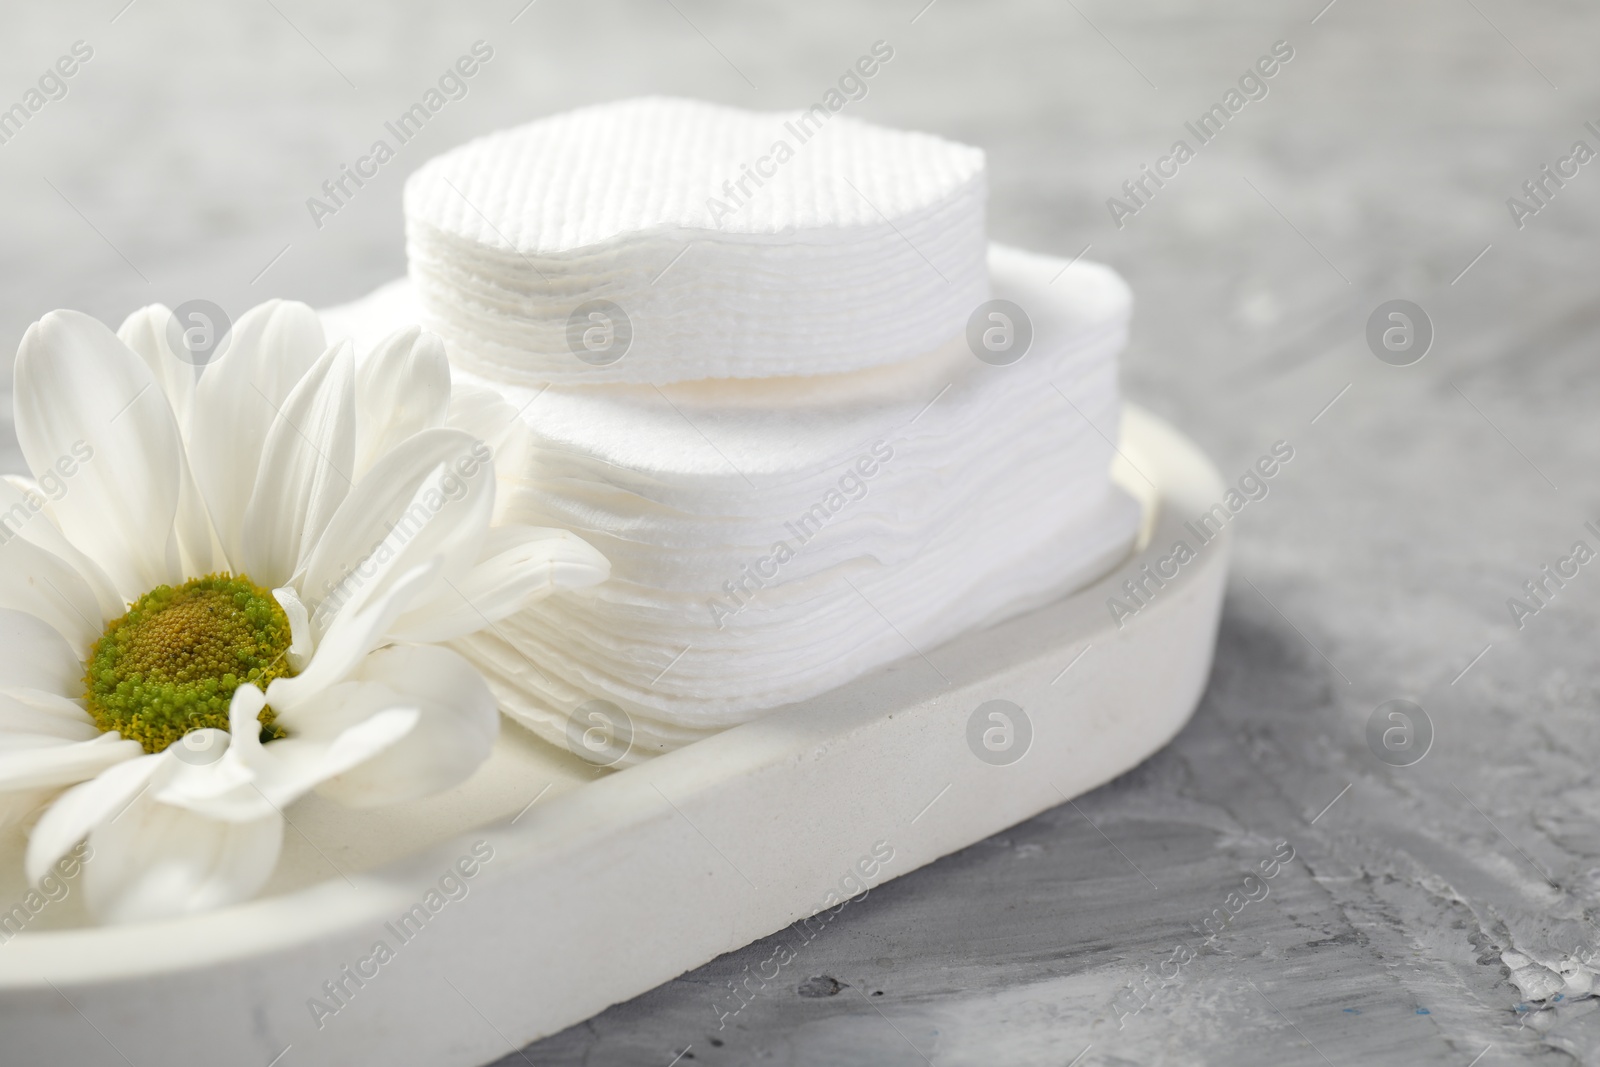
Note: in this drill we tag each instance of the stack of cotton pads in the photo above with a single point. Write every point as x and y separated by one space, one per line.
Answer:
774 530
735 248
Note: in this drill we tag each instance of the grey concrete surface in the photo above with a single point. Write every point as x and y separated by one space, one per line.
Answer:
1438 913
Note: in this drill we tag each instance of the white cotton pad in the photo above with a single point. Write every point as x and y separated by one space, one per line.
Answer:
712 242
912 502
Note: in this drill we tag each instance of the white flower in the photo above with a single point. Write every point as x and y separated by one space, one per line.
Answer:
347 522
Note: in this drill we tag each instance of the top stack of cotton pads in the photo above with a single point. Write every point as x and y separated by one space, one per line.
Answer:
663 240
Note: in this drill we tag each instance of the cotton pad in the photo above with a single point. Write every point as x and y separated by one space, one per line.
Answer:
772 539
662 240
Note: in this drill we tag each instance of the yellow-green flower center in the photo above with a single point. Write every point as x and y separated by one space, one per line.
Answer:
171 664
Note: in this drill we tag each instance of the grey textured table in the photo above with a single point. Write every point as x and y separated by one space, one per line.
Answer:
1420 498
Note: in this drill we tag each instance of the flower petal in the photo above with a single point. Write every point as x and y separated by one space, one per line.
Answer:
238 399
55 763
402 388
487 416
521 565
207 777
43 584
305 471
447 522
385 511
155 861
145 331
82 808
17 807
84 400
454 731
25 513
34 656
301 643
353 633
33 711
335 730
197 539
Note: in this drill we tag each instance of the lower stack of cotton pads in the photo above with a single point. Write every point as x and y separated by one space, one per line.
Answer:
773 536
772 539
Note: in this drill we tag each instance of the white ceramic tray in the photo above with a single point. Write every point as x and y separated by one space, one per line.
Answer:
613 882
